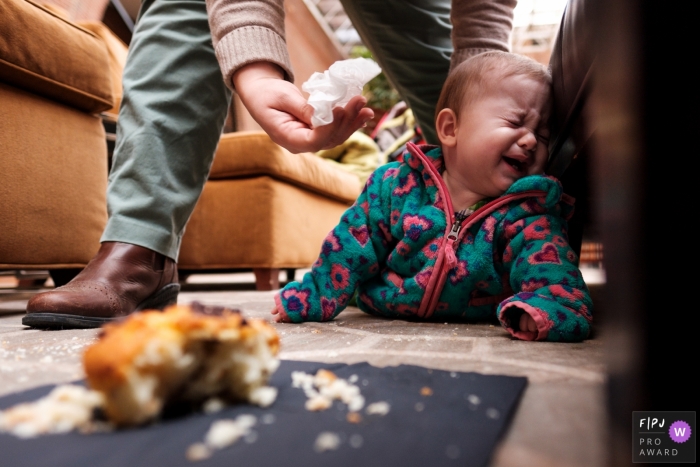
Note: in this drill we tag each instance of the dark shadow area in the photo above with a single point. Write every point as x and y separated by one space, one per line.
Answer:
118 21
643 148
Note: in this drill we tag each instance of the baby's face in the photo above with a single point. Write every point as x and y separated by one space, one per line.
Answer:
502 135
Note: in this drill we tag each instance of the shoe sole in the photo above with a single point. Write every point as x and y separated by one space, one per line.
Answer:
164 297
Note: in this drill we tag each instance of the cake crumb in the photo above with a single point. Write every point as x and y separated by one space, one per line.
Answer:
263 396
324 387
318 403
213 405
198 452
66 408
221 434
327 441
378 408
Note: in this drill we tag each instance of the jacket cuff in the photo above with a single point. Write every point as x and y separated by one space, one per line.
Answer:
295 299
252 44
514 328
280 308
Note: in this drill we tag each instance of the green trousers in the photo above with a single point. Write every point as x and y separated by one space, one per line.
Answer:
175 104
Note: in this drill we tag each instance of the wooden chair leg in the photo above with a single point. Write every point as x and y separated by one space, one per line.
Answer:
291 273
267 278
30 283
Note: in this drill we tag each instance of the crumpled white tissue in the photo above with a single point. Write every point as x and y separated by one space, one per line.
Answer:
337 85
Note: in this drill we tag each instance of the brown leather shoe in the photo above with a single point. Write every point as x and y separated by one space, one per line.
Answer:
120 279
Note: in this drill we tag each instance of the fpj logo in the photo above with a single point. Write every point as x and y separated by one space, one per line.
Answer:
663 437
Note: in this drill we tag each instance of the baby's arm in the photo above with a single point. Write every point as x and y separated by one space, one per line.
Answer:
551 300
350 254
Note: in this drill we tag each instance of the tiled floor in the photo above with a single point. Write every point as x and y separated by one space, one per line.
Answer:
560 420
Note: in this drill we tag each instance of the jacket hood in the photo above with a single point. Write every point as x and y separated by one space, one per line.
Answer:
545 183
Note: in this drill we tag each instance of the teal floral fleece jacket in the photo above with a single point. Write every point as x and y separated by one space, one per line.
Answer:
409 257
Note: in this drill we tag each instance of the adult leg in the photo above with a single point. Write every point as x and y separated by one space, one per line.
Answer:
412 40
169 125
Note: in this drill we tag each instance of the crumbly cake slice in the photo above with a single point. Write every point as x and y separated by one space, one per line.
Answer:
182 354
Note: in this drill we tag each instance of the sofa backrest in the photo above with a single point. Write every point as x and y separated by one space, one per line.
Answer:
48 55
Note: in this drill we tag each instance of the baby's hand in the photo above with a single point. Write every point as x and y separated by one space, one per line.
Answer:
527 323
280 317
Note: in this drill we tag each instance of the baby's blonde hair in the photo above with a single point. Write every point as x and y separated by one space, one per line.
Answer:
471 77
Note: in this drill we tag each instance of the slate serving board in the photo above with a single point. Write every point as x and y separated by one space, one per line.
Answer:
458 425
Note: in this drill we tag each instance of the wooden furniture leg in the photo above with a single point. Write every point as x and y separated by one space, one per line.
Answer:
291 274
267 278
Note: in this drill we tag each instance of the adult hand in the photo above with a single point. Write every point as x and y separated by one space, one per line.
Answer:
281 110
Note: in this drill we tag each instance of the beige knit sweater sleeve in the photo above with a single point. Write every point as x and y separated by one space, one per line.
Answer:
247 31
479 26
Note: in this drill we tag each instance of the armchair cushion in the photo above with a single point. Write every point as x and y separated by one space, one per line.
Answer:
252 153
33 57
53 182
118 51
263 207
257 222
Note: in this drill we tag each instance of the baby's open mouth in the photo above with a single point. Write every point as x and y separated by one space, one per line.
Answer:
516 164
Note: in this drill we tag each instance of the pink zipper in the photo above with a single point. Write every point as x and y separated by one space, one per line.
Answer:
454 232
